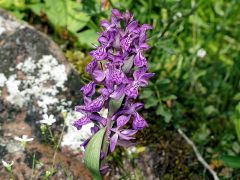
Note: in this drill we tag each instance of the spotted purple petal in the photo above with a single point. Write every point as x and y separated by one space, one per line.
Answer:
100 53
140 60
117 13
138 122
132 26
96 105
132 91
89 89
82 121
99 75
91 67
126 42
118 93
122 120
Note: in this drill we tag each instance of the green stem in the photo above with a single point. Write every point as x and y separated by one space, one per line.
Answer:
33 164
106 142
52 138
59 141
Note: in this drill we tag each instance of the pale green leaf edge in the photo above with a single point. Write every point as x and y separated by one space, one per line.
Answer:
92 154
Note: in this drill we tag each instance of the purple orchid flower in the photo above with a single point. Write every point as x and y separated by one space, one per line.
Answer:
140 80
89 89
119 67
126 134
100 53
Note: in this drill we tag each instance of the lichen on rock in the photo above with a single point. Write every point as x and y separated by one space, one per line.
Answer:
36 79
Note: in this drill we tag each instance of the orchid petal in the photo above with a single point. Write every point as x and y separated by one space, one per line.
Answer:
113 142
82 121
138 122
122 120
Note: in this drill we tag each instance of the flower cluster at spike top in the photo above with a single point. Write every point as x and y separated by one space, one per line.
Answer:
119 69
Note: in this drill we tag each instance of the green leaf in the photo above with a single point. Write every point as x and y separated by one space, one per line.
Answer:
162 81
236 97
170 97
231 161
114 105
56 12
76 19
87 37
37 8
92 154
6 3
147 93
64 14
151 102
165 113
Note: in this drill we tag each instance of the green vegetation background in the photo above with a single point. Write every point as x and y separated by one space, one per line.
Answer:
195 55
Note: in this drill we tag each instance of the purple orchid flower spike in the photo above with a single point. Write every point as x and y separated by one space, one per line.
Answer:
120 68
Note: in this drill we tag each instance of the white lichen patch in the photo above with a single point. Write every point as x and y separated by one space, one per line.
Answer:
7 25
43 80
3 79
73 138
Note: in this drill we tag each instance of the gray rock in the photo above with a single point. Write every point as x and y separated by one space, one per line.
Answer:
35 80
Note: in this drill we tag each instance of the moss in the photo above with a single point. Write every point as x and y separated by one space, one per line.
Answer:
164 154
78 59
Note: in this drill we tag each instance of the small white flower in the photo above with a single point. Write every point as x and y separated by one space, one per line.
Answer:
23 139
7 165
201 53
49 120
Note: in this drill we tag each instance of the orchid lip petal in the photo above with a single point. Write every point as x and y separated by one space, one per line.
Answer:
118 93
113 142
99 75
129 132
122 120
124 137
138 122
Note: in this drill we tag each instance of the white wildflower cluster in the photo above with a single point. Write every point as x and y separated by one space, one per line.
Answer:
42 82
49 120
23 139
7 165
7 25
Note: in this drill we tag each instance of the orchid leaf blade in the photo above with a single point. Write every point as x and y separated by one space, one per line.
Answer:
92 154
